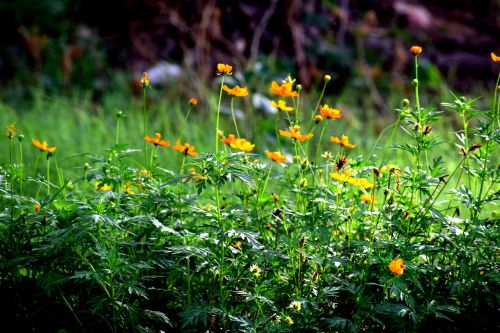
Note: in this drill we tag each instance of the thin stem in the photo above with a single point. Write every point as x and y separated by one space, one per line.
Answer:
181 133
319 143
117 131
144 126
417 99
265 182
217 118
22 169
48 176
234 118
311 120
11 180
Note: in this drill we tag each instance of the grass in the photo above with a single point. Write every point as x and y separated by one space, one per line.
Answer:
112 233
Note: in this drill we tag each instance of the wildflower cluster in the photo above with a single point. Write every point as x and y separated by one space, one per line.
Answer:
323 240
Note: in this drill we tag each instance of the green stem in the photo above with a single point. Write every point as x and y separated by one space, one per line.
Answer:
217 118
417 99
181 133
11 180
265 183
319 143
22 169
496 101
144 126
234 118
117 131
48 176
311 121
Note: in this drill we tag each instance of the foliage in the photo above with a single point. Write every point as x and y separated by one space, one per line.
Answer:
237 241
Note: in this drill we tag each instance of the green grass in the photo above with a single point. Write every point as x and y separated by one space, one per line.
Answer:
243 243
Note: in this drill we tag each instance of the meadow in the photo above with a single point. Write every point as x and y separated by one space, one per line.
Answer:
142 216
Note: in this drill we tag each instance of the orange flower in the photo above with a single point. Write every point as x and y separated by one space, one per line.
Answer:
36 207
295 134
397 266
494 57
238 143
285 90
343 141
236 91
224 69
43 146
144 82
193 101
416 50
275 156
186 148
330 113
230 139
281 105
243 145
156 140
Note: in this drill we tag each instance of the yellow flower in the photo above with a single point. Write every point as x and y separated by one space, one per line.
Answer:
397 266
295 134
185 149
275 156
288 320
236 91
361 182
224 69
284 90
156 140
344 177
11 130
127 188
281 105
102 187
494 57
43 146
330 113
415 50
144 82
295 306
237 245
343 141
368 199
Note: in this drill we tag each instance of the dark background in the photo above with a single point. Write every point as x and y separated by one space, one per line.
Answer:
77 43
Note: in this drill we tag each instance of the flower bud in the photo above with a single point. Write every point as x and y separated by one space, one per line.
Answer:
405 102
20 137
299 87
318 119
414 82
416 50
327 78
86 166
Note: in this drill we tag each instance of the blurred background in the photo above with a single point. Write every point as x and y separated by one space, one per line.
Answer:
58 44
